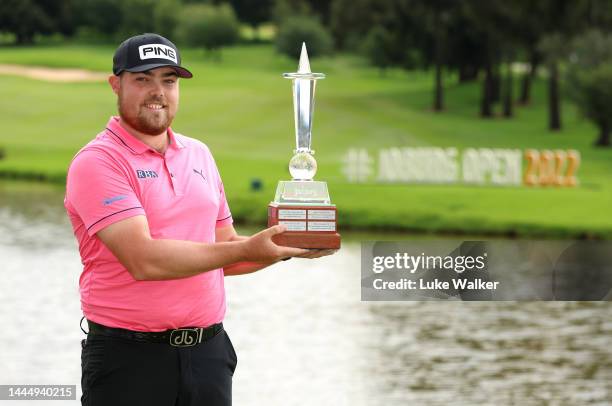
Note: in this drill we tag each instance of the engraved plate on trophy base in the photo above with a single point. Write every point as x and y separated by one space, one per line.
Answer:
308 226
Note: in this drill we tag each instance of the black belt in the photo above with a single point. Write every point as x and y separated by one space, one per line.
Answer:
180 337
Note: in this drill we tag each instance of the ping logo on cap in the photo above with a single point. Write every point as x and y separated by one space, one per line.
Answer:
156 51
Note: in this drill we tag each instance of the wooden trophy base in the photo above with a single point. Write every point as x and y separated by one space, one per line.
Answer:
313 227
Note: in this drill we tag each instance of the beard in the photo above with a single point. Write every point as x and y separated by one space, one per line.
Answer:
144 120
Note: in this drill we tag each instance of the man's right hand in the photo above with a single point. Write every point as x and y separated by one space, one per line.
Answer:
261 248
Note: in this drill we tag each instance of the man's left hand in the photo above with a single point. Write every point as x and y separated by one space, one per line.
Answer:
317 253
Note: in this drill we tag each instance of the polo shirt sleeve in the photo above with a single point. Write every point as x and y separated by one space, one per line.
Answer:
99 191
224 216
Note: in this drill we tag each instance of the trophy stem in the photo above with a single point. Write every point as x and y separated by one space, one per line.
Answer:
303 104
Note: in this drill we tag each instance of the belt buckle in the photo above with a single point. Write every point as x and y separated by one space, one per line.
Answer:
185 337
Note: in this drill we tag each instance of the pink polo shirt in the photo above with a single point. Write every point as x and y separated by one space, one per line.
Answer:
117 176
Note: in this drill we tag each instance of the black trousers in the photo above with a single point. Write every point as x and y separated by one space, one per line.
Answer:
117 372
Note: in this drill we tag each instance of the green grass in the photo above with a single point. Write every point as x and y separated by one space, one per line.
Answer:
242 108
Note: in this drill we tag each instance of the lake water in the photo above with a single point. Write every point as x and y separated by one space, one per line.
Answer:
303 336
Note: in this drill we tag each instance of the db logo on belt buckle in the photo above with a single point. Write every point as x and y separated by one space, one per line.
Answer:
185 337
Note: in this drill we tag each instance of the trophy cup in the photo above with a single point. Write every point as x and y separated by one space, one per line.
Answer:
302 204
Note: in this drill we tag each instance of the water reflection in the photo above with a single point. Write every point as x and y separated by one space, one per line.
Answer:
304 337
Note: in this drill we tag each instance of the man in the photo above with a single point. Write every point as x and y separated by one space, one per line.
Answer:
156 239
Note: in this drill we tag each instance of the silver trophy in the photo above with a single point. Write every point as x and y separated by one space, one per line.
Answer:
302 204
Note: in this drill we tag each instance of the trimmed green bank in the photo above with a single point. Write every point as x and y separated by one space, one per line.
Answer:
242 108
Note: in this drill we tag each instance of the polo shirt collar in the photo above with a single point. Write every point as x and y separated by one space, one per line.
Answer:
134 144
174 141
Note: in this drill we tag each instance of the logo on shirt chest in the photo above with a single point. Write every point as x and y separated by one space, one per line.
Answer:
143 174
201 173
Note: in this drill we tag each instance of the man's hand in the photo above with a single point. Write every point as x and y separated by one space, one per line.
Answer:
261 248
228 233
316 253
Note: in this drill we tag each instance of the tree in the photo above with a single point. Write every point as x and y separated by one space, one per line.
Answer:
376 47
553 48
469 36
284 9
137 16
589 80
429 23
596 99
165 17
561 20
494 21
61 13
508 100
253 12
437 16
288 8
352 20
465 52
530 15
103 18
416 33
211 27
25 19
298 29
599 14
